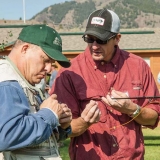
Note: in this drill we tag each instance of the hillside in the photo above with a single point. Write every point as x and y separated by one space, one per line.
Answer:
73 14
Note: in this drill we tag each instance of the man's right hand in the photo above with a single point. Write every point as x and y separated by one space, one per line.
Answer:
53 105
91 113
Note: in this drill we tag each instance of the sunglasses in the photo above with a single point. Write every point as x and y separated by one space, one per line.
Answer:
91 40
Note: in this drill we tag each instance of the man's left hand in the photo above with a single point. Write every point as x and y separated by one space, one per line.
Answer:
122 105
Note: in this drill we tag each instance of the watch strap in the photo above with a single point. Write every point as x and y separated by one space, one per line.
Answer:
136 112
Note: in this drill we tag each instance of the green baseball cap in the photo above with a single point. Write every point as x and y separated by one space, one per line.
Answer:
48 39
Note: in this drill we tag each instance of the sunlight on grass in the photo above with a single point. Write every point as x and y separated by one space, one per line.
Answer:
152 143
151 140
64 150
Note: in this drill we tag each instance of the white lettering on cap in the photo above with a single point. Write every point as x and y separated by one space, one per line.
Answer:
57 42
98 20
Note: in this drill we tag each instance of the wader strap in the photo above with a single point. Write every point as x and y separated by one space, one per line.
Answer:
45 151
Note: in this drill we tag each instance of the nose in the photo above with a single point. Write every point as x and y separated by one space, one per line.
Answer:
95 45
48 67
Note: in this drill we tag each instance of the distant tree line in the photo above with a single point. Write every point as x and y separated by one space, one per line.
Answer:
127 10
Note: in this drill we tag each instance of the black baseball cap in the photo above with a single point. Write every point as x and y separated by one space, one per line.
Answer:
102 24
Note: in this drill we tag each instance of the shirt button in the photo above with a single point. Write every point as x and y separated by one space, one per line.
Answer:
95 67
102 63
105 76
111 110
115 66
114 145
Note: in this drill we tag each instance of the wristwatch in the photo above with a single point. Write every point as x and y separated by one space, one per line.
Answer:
136 112
64 133
68 130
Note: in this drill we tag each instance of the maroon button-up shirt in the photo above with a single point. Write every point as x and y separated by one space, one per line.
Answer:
86 80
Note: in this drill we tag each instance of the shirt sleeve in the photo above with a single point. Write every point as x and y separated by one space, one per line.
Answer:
18 127
150 88
66 92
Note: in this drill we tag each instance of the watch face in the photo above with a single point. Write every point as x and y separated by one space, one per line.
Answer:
69 130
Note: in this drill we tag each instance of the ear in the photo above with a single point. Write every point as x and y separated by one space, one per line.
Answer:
24 48
117 38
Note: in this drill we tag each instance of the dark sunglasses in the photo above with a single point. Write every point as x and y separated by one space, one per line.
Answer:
91 40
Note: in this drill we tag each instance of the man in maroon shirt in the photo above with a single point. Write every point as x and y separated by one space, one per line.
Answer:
106 123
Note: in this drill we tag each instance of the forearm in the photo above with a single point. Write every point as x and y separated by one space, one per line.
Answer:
147 116
32 129
79 126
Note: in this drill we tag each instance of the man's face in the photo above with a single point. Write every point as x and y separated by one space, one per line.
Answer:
102 51
36 65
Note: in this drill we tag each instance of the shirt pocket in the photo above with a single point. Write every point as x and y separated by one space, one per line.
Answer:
136 89
137 85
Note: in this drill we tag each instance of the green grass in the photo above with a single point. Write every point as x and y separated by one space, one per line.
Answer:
152 143
64 150
151 140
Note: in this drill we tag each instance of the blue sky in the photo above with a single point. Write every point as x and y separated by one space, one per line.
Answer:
13 9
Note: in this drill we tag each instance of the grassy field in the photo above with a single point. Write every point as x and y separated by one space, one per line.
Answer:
152 143
151 139
64 150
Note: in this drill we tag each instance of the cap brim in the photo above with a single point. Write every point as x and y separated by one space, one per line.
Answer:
100 34
57 55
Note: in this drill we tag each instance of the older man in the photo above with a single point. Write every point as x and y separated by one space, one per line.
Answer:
29 126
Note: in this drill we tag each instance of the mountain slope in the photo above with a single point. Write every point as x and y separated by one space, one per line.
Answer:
74 14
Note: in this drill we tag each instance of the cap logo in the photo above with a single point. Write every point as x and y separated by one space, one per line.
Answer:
97 20
57 42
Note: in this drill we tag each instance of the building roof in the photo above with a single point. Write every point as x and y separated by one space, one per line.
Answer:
72 41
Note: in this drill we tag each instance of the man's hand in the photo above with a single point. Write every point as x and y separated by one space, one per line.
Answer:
122 105
91 113
66 116
147 115
53 104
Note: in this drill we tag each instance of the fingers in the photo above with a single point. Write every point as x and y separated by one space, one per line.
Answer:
105 99
53 105
91 113
54 96
111 100
87 109
121 105
66 119
66 116
64 106
95 117
58 110
118 94
66 113
61 110
116 104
